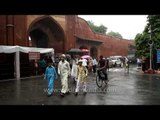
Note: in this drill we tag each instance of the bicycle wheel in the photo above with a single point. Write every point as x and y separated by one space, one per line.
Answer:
99 82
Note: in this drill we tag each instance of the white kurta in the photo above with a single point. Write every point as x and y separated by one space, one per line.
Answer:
74 69
64 72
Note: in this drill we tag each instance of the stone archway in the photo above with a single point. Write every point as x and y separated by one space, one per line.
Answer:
39 38
94 52
45 32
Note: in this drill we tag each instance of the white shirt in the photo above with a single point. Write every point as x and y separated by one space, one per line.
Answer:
126 60
63 68
84 63
94 62
138 60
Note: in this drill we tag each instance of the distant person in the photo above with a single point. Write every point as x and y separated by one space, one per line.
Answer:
94 63
122 59
43 65
126 63
90 65
74 69
138 62
56 63
107 64
50 75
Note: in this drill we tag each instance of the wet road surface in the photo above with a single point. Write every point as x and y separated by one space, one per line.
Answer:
134 88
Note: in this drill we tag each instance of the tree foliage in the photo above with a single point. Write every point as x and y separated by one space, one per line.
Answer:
151 32
98 29
115 34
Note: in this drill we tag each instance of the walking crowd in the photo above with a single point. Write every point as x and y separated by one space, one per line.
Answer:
76 69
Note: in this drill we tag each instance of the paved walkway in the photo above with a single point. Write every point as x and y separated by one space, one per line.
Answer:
123 89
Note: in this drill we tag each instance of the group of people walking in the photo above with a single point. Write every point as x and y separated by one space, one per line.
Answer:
78 72
64 72
77 69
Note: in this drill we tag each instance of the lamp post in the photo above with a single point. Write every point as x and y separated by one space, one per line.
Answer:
151 45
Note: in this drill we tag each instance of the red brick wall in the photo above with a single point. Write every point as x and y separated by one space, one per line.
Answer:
74 26
110 46
20 30
3 30
13 30
70 31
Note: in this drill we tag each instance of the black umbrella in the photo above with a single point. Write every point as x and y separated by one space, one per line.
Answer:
74 51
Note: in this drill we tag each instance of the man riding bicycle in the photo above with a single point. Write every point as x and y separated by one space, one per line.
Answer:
102 67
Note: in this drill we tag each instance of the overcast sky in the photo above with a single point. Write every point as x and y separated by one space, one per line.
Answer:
127 25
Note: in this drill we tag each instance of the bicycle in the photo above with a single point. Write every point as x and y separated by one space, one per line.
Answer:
100 81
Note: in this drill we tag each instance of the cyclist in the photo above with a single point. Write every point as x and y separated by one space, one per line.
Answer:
102 67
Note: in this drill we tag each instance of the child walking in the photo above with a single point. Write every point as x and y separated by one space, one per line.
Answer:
82 74
50 75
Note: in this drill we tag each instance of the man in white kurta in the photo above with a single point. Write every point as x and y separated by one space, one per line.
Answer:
64 72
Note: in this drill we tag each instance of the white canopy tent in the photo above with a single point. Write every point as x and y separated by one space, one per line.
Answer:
16 49
13 49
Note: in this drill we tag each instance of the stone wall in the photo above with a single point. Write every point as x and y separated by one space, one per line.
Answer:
111 45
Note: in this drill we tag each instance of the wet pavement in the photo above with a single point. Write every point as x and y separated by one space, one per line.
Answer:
134 88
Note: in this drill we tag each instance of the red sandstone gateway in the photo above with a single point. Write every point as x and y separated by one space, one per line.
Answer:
61 32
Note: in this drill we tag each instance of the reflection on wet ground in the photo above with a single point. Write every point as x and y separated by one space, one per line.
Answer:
122 89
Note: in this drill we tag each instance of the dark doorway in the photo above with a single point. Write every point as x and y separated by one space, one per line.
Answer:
45 32
93 52
39 38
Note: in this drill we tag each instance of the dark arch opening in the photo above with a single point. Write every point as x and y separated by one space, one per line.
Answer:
94 52
45 32
39 38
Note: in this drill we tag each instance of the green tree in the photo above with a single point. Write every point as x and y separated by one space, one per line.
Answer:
154 30
98 29
151 32
142 46
115 34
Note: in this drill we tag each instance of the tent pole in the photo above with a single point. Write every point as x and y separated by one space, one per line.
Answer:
17 61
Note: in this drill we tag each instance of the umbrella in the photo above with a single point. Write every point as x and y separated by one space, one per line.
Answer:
74 51
85 50
86 56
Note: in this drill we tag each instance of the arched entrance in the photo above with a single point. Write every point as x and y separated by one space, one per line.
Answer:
39 38
45 32
94 52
